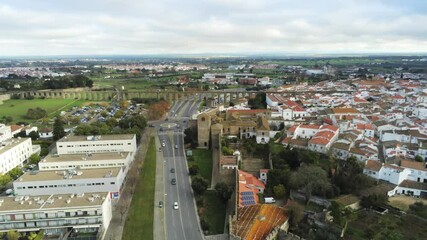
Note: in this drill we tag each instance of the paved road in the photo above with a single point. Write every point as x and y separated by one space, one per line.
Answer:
181 223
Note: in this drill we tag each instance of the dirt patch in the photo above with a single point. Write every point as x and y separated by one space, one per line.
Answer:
105 104
402 202
252 165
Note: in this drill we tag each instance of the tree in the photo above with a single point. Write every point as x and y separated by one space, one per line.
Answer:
223 191
36 113
8 119
13 235
15 173
4 179
120 113
418 158
133 121
374 201
259 102
295 213
112 122
58 129
310 178
34 159
194 169
279 191
34 135
199 185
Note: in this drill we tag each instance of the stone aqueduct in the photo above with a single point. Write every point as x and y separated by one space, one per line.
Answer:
127 95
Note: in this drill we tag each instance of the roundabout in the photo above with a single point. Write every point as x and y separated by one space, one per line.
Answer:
168 125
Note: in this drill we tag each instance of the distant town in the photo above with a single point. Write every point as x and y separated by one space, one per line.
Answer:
213 147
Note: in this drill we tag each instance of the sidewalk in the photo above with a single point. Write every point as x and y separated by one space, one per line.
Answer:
159 231
115 229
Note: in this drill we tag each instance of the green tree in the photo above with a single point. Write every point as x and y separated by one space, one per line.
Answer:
259 102
58 129
193 169
310 178
120 113
374 200
295 214
33 135
112 122
4 179
199 185
418 158
223 191
133 121
279 191
34 159
15 173
8 119
13 235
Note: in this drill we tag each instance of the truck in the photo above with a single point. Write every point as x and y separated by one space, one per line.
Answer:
269 200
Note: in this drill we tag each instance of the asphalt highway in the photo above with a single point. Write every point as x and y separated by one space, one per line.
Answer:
181 223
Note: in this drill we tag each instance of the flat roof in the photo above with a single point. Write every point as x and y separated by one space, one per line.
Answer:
11 143
59 174
13 203
86 157
75 138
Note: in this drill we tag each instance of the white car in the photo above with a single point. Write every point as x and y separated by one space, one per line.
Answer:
175 205
163 145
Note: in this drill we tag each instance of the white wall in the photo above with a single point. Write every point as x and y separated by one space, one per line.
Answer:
11 157
393 175
76 147
69 186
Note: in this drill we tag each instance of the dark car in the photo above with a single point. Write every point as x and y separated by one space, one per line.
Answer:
172 170
160 204
173 181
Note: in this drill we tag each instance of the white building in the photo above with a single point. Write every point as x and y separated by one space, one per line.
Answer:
14 152
56 214
70 181
5 133
97 144
418 170
85 161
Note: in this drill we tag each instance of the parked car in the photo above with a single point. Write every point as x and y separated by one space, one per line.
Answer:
160 204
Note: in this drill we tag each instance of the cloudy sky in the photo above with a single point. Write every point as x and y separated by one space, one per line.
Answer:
104 27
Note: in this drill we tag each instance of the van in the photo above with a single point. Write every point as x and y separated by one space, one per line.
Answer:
269 200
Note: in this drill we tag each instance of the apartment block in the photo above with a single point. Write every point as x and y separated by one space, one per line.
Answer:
97 144
70 181
56 214
14 152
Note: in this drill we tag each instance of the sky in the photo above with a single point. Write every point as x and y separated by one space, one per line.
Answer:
138 27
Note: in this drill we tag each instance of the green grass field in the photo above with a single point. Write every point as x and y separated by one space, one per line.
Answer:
17 108
214 212
203 158
139 223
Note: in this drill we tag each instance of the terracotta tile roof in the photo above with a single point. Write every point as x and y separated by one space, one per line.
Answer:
414 165
393 166
228 160
293 128
258 221
365 126
15 127
373 165
413 185
344 110
329 127
310 126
